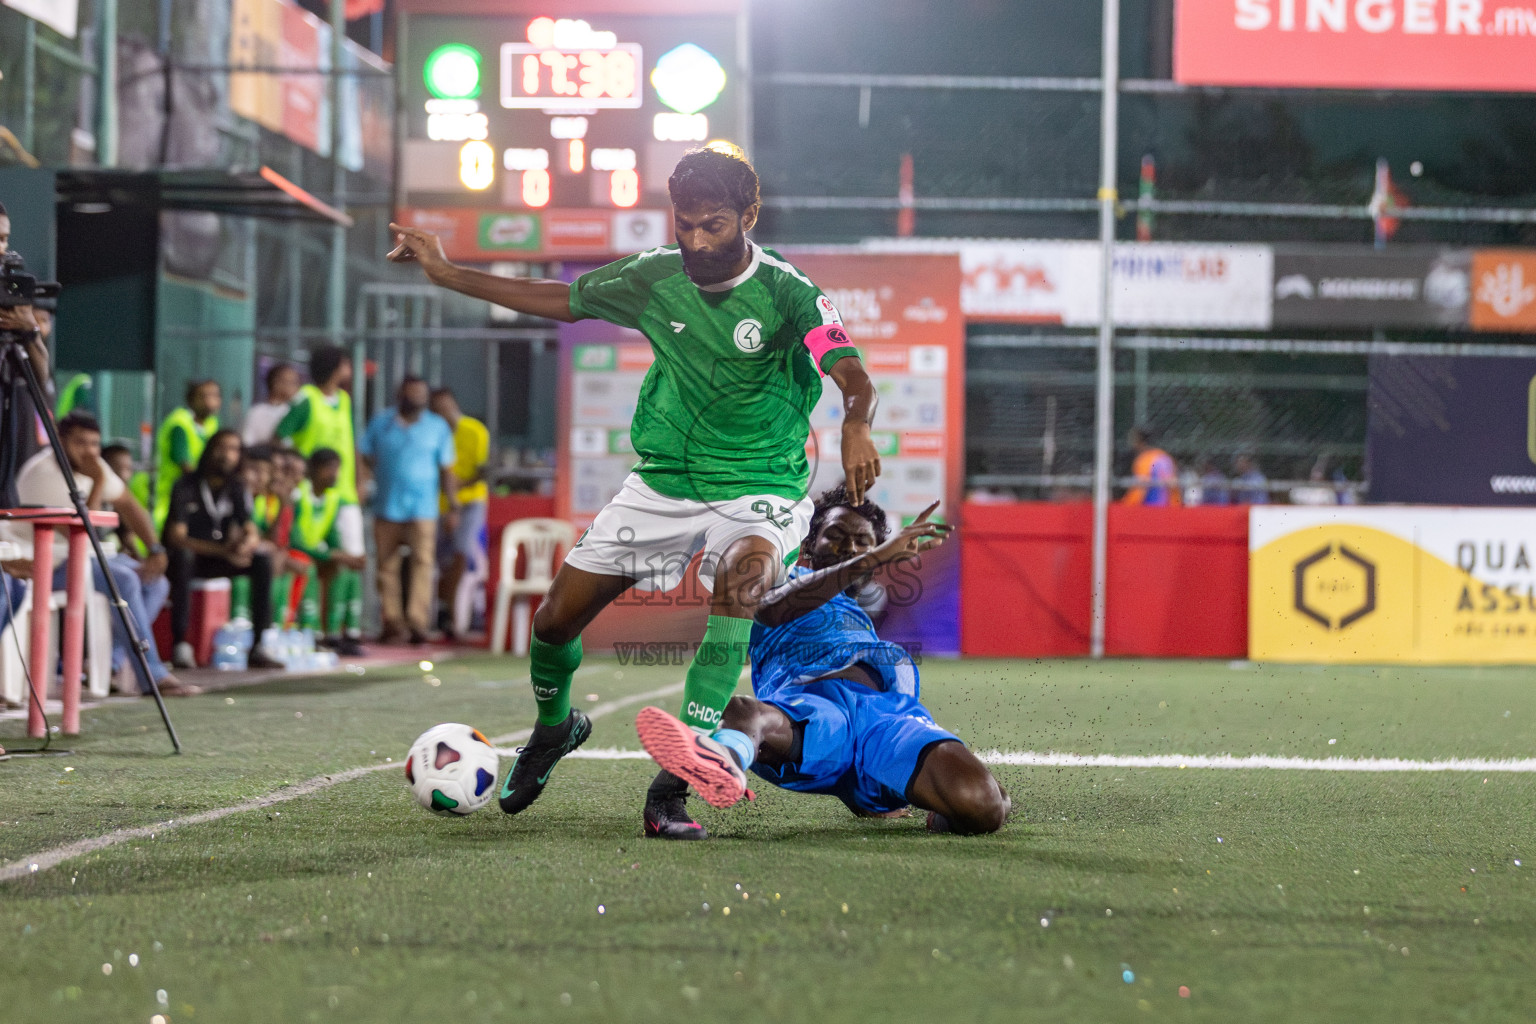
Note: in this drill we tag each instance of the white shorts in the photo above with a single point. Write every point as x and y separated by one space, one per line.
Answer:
349 527
652 538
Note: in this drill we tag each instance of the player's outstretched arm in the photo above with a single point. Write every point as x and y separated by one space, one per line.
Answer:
861 462
534 296
804 594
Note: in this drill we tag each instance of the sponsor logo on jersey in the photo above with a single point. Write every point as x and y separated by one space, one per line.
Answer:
828 311
749 335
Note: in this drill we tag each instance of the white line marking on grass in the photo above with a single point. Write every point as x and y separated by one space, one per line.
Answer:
46 859
1256 762
608 754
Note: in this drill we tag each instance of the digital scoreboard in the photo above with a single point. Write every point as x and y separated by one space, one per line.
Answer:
551 135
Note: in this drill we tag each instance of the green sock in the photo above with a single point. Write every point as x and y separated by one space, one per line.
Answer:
240 598
352 609
715 668
344 609
280 592
309 602
551 668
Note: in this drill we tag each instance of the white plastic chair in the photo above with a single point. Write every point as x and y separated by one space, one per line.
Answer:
542 541
14 640
17 639
471 586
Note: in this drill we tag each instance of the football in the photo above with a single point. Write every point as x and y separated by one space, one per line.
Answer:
451 769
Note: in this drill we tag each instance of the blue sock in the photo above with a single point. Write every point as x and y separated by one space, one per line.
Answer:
738 743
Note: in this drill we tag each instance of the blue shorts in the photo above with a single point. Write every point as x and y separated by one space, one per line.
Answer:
860 745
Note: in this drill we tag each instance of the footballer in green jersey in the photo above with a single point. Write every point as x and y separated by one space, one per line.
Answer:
741 340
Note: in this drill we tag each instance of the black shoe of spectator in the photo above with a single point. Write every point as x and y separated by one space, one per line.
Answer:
346 647
417 638
261 659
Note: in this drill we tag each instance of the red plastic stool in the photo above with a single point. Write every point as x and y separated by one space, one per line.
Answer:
78 587
210 610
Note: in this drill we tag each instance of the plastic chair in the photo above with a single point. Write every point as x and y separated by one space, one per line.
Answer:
542 540
98 640
471 586
98 653
13 665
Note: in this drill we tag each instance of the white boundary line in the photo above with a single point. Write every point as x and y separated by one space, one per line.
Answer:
46 859
51 858
1256 762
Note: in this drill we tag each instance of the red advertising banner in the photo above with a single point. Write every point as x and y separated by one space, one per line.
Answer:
303 94
1483 45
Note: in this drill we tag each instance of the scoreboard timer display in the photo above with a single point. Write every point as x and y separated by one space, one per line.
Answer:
536 136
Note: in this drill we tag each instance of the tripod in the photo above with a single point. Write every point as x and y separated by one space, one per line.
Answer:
14 355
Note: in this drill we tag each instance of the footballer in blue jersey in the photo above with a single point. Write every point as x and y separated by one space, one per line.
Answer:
836 710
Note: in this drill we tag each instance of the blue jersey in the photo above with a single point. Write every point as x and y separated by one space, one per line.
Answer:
834 636
864 747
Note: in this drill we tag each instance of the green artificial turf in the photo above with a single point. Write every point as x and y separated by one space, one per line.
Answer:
1328 897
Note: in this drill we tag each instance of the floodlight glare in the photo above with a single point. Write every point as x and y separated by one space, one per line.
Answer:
452 72
688 78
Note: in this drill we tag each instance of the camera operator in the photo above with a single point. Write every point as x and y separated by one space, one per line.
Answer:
18 416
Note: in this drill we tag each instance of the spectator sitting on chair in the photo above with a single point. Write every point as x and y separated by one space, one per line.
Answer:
142 584
462 547
316 541
209 532
256 472
410 451
119 459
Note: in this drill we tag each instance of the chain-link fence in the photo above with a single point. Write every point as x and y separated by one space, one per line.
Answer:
1282 418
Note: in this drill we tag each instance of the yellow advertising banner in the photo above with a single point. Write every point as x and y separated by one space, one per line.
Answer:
1406 584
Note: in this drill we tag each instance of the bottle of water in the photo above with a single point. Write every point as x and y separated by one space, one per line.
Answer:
229 654
272 642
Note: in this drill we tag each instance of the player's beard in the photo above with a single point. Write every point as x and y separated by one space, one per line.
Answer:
714 267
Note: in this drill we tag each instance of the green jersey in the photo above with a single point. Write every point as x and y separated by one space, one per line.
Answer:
724 410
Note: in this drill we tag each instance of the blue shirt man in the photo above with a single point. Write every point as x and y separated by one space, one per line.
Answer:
410 452
407 457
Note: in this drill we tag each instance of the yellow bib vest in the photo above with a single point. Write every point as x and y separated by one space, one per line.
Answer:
168 472
314 525
330 426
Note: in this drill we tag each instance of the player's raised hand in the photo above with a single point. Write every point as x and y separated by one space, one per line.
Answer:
418 246
912 539
861 462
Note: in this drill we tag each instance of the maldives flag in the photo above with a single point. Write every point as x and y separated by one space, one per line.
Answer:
1387 200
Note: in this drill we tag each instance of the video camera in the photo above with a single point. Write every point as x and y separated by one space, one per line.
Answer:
19 288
